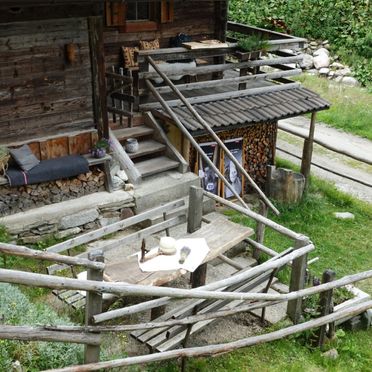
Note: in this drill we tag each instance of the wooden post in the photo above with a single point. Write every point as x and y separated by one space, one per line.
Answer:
195 212
326 307
194 222
298 279
260 229
93 305
307 151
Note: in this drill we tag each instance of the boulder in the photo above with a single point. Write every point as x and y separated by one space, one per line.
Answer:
66 233
349 80
321 60
336 65
344 215
307 62
320 51
343 72
324 71
331 354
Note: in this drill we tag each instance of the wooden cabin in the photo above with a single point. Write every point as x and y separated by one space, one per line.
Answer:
72 69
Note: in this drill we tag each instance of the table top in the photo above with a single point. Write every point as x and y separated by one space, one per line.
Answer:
220 234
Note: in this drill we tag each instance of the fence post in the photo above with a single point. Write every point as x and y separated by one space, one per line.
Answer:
326 307
298 279
93 305
194 222
260 229
307 151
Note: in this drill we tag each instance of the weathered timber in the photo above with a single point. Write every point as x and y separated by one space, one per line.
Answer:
125 79
195 213
21 251
223 96
221 348
212 134
125 161
257 217
260 229
120 225
326 307
307 151
25 333
197 147
223 82
235 279
224 67
298 280
93 305
327 145
231 262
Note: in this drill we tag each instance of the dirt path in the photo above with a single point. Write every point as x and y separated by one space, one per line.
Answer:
331 159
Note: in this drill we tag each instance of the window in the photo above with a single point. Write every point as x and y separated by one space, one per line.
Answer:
139 16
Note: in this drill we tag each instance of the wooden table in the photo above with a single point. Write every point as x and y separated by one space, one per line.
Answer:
220 234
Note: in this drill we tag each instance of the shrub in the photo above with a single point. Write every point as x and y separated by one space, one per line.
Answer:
16 309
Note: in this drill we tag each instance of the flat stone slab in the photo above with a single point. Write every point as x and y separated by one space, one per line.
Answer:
53 213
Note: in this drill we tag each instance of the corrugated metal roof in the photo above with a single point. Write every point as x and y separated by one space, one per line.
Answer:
253 109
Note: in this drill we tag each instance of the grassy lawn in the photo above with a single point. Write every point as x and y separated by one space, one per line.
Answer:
351 108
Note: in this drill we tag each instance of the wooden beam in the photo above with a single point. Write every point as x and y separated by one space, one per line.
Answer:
222 96
220 348
307 151
20 251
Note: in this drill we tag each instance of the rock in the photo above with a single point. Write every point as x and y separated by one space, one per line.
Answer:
32 239
307 62
121 174
325 42
320 51
313 44
324 71
108 221
343 72
66 233
114 169
349 80
126 213
331 354
90 226
117 183
128 187
336 65
78 219
321 60
344 215
338 78
327 46
331 74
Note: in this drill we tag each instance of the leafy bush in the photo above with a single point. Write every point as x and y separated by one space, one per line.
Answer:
16 309
347 24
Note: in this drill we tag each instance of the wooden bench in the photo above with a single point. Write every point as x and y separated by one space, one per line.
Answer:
164 217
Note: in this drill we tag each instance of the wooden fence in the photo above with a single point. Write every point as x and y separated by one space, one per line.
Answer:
90 333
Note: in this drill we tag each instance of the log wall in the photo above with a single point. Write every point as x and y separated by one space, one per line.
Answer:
194 18
259 141
41 92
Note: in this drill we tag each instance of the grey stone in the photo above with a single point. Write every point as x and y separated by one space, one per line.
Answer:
320 51
66 233
331 354
312 71
338 78
108 221
344 215
90 226
325 42
32 239
313 44
331 74
78 219
324 71
115 168
126 213
349 80
117 183
343 72
321 60
121 174
336 65
307 62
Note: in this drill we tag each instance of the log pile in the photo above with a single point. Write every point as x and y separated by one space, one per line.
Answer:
17 199
259 151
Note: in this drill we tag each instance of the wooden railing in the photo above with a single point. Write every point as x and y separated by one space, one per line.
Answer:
89 334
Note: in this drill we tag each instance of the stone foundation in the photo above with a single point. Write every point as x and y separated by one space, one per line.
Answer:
23 198
69 218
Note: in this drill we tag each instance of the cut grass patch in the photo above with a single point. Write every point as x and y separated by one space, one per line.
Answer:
351 107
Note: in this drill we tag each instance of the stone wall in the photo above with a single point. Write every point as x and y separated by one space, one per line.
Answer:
19 199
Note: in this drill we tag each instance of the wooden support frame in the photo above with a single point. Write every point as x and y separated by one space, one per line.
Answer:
307 151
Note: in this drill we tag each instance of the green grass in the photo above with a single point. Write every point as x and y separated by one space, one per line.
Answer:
351 107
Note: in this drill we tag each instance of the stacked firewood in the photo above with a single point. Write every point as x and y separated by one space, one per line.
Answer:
260 145
16 199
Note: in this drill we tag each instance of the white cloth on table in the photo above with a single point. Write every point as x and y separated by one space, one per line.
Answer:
167 67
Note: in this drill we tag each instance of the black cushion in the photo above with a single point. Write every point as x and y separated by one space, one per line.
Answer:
24 157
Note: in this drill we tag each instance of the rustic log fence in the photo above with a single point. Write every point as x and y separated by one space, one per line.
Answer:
222 290
306 159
